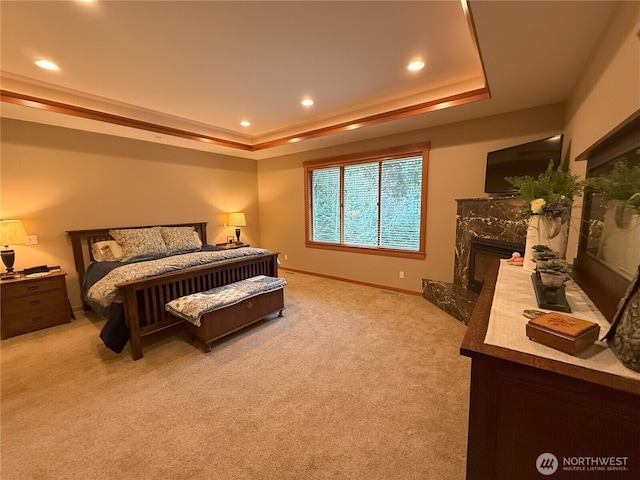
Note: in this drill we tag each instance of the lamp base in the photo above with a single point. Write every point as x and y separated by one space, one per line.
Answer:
8 258
237 235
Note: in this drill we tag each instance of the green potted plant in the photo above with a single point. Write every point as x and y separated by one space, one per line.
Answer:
547 204
545 256
553 272
550 194
540 250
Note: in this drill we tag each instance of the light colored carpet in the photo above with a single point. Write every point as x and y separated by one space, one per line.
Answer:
351 383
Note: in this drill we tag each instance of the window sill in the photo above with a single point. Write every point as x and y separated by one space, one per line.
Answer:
368 250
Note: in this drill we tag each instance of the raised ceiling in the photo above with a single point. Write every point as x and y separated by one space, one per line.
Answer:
187 73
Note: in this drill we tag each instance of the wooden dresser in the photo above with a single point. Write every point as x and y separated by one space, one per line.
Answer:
30 304
528 414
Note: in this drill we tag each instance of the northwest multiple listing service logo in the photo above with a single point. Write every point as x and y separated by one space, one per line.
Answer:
548 464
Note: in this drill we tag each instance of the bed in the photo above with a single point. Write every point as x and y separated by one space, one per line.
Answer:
138 306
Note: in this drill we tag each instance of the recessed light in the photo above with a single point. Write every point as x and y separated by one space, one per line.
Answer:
47 65
416 65
307 102
245 123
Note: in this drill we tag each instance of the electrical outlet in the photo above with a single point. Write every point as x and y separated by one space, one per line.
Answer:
286 257
32 240
401 274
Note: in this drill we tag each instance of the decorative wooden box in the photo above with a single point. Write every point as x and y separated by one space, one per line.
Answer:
563 332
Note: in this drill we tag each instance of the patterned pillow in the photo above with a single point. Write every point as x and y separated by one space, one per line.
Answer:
139 243
180 239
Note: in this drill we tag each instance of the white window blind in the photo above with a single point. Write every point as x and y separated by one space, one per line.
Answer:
326 205
401 195
368 204
361 196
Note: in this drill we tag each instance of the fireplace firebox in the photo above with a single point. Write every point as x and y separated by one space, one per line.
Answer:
483 252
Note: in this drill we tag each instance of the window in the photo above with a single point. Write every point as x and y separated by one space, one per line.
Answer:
373 202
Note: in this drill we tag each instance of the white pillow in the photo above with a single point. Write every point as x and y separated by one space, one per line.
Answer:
181 239
140 242
105 251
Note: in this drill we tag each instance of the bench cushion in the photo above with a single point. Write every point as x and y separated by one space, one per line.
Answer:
192 307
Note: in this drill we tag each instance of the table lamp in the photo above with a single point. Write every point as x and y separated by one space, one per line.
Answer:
12 232
237 220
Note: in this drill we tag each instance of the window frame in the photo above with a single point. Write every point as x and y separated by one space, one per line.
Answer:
394 153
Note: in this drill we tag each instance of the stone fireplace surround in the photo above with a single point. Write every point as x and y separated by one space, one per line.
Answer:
490 218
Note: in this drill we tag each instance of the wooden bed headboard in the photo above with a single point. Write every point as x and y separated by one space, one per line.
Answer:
81 241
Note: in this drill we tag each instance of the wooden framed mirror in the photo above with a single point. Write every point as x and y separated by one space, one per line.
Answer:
608 248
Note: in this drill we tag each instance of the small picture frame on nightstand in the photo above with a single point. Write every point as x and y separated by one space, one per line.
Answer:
229 239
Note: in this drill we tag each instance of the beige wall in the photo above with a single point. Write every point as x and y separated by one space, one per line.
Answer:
56 179
456 170
608 93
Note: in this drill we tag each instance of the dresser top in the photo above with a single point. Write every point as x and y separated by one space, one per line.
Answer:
21 277
598 364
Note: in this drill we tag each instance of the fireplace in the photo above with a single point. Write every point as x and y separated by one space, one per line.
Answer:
491 220
482 254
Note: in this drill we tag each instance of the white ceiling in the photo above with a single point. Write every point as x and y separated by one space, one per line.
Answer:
204 66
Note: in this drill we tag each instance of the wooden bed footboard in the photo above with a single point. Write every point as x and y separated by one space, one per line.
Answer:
144 299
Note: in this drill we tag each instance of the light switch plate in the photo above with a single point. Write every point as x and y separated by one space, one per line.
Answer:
32 240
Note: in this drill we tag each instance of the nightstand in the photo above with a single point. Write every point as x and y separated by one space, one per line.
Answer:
32 303
231 246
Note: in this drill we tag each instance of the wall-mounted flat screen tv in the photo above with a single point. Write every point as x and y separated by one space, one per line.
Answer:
527 159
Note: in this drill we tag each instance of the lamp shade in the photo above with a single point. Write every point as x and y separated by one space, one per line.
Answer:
12 232
237 219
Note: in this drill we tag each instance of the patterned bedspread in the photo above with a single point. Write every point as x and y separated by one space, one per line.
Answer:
193 307
105 292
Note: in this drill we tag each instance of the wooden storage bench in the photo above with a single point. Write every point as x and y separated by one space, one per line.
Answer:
223 319
227 320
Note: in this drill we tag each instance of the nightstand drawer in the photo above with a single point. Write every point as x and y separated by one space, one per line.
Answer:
28 286
44 302
13 325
